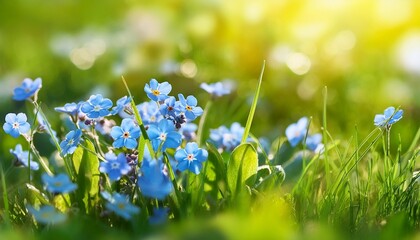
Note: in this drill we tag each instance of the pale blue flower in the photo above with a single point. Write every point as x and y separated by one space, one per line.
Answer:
164 133
388 118
69 144
96 106
47 214
114 166
28 89
189 107
22 157
157 91
122 103
191 158
125 135
119 204
16 125
227 138
58 184
215 89
154 181
313 141
149 112
296 132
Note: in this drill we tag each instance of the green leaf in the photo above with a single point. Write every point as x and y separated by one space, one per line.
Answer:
271 180
242 168
87 169
253 107
37 194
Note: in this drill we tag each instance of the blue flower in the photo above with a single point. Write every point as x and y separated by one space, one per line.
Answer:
188 131
126 135
121 104
22 157
189 107
58 184
119 204
388 118
313 141
27 89
191 158
149 112
216 89
169 108
96 106
70 108
160 215
47 214
296 132
16 124
164 133
115 166
225 138
157 91
154 181
69 144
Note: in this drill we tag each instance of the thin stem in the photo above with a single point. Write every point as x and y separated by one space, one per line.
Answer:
202 122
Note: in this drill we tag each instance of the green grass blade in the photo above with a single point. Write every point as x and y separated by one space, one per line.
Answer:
253 107
144 138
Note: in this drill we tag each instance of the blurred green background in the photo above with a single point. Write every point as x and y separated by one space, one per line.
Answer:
366 52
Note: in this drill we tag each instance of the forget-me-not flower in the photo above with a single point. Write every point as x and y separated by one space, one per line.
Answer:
154 181
114 166
16 124
227 138
28 89
47 214
71 109
119 204
169 108
313 141
96 106
22 158
160 215
58 184
125 135
69 144
157 91
191 158
164 133
295 132
388 118
215 89
188 131
189 107
149 112
121 104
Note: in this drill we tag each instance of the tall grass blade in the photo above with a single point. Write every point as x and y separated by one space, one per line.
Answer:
253 106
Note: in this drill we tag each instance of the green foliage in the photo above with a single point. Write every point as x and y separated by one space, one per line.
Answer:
242 168
86 164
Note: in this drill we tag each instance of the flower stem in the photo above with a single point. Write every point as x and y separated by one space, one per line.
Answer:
202 122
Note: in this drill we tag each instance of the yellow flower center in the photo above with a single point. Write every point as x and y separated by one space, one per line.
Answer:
156 92
121 206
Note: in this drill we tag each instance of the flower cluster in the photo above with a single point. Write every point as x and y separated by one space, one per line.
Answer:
166 121
296 133
121 161
227 138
